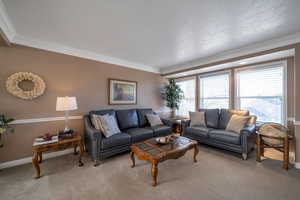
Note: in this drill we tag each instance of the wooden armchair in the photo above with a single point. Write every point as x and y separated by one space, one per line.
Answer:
276 136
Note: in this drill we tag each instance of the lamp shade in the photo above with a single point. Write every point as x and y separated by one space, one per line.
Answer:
66 103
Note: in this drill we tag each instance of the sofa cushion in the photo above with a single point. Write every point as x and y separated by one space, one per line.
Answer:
225 115
225 136
139 134
199 131
142 116
161 130
127 119
116 140
211 117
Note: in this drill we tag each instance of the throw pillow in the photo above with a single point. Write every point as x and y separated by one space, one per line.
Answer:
237 123
109 125
97 122
197 119
154 119
269 130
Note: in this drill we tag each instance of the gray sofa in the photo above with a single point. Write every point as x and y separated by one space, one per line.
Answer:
134 128
214 133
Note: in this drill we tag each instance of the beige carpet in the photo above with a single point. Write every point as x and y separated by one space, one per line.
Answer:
217 175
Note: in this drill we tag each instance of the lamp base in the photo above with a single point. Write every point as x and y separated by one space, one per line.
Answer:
68 131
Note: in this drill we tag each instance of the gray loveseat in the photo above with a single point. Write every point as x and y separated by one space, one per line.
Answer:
134 128
214 133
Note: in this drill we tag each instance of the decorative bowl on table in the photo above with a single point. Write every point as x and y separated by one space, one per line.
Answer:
164 140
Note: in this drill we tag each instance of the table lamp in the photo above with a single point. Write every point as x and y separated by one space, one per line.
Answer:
66 104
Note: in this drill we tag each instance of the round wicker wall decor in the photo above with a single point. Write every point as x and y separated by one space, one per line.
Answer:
14 81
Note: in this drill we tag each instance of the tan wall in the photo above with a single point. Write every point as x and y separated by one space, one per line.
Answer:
297 104
64 75
290 87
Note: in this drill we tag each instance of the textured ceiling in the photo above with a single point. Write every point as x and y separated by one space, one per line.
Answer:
155 33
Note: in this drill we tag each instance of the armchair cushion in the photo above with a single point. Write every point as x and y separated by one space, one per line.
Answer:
115 140
225 136
127 119
139 134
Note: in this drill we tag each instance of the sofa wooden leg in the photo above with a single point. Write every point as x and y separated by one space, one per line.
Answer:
245 156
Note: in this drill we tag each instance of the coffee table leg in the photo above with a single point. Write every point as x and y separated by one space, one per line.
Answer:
154 174
35 162
196 151
40 157
81 154
133 159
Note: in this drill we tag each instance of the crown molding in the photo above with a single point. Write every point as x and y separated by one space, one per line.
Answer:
235 53
45 119
6 27
58 48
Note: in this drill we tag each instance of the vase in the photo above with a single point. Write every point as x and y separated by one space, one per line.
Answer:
173 113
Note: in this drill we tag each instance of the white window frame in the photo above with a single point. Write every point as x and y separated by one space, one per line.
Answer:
178 80
268 65
229 72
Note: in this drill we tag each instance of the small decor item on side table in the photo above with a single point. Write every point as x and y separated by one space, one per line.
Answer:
4 127
45 139
66 104
65 135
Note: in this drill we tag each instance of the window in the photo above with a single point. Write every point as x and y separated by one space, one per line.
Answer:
188 103
214 91
261 91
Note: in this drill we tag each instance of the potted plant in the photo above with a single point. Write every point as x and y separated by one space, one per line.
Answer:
173 95
4 127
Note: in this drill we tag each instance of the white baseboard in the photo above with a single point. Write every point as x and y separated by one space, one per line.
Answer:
29 159
297 165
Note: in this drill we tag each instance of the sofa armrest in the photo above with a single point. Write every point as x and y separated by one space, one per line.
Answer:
167 122
248 139
185 123
248 130
92 139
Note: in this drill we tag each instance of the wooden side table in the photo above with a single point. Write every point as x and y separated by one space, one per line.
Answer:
62 144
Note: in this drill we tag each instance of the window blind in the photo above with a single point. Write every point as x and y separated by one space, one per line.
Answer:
188 103
214 91
261 91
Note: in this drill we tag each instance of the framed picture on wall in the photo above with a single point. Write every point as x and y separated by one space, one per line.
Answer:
122 92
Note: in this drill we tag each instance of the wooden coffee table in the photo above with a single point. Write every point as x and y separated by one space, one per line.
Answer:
62 144
155 153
